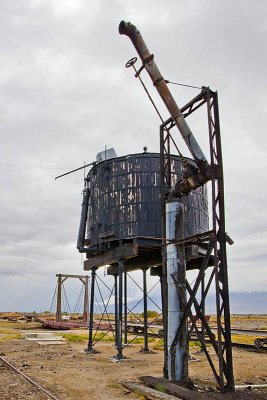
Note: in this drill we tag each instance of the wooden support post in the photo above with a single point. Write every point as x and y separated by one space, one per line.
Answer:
59 290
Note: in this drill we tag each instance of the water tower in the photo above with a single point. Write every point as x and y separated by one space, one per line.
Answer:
122 222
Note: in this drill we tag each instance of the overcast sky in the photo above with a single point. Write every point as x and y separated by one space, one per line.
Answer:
65 95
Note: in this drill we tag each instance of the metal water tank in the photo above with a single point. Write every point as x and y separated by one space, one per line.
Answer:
125 199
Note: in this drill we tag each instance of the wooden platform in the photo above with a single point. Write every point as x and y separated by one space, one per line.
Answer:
137 253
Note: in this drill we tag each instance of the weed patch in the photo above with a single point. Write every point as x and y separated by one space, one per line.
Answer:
4 337
103 337
75 338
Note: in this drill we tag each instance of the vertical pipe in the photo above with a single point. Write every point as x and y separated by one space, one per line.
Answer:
91 319
125 308
84 212
85 303
177 352
145 349
59 297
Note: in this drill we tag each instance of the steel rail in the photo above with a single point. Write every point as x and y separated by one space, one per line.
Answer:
195 339
27 378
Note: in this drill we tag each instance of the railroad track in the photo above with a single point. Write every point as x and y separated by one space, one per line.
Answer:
4 363
261 340
241 345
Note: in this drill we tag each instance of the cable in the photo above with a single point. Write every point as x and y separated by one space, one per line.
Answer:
137 75
104 311
35 166
182 84
66 300
53 303
147 292
79 300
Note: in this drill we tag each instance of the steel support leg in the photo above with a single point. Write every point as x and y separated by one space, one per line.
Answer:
219 276
203 310
91 319
125 308
145 349
116 308
119 355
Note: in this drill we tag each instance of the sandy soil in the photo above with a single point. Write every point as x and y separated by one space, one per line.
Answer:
69 373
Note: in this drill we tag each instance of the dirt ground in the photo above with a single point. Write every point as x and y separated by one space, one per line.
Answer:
70 374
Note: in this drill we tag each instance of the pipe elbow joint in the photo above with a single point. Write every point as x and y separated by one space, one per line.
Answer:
126 28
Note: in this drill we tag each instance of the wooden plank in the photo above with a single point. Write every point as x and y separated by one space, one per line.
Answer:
149 393
173 388
111 256
148 242
135 263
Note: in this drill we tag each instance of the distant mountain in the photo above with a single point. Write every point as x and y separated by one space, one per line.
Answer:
242 303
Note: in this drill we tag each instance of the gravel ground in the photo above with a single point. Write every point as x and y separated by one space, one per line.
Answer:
12 386
71 374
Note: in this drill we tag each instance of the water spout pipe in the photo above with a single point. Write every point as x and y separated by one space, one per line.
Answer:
128 29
